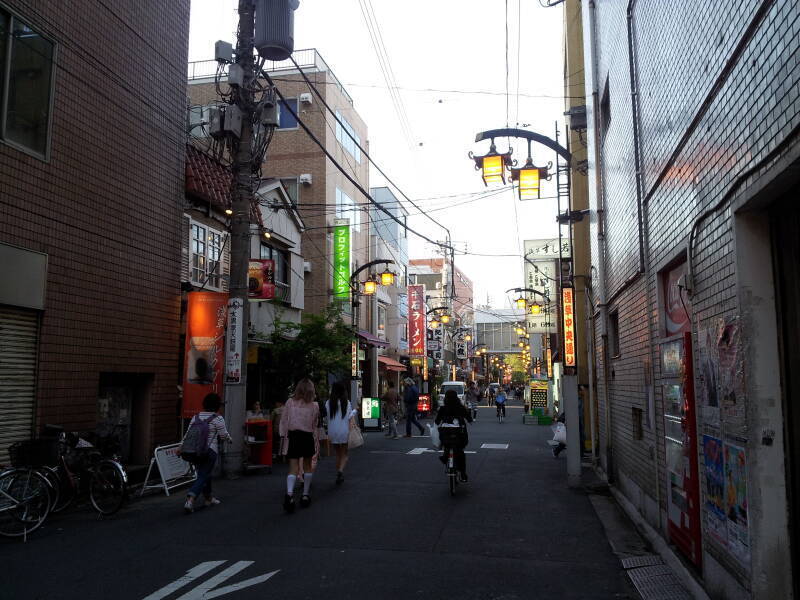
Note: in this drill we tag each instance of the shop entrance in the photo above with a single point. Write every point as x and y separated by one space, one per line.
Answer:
785 225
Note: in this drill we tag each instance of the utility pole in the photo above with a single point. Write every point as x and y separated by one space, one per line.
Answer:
242 168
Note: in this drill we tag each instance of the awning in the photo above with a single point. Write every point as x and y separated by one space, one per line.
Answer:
391 364
371 339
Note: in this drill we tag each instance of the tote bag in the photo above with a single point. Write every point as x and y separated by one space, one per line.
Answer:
354 437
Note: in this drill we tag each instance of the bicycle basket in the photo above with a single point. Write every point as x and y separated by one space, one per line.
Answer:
451 436
34 453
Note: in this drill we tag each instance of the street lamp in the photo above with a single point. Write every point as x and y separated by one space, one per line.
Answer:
370 287
492 165
521 303
387 277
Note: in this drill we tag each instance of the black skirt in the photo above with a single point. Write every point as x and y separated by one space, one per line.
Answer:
301 444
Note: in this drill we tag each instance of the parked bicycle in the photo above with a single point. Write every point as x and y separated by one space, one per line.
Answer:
25 493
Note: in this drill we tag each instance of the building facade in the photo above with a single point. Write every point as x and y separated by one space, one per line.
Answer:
90 226
693 153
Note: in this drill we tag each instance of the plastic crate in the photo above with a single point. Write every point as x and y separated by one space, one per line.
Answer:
530 420
34 453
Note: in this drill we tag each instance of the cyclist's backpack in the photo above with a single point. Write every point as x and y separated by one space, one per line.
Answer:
194 448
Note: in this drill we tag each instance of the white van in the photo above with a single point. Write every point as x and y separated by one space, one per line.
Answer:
459 387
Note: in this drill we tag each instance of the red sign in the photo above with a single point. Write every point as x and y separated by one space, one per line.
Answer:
424 403
676 319
261 279
416 321
205 345
568 306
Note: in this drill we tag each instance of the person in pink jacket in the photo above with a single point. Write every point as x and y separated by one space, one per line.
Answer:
299 439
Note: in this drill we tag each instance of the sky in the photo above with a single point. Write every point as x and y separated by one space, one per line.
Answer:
448 59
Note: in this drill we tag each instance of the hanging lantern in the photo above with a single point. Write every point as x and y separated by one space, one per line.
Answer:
370 287
536 309
445 318
387 278
433 324
521 303
529 182
492 165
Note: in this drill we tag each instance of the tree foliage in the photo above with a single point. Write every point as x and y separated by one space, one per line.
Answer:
318 346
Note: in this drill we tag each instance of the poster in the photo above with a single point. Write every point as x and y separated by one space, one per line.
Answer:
541 257
676 317
708 375
233 349
205 340
416 321
261 279
736 502
731 370
714 481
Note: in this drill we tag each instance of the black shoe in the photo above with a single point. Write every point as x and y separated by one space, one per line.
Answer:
288 503
463 477
305 501
339 478
443 459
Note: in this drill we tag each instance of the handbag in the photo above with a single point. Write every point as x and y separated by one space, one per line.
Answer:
354 437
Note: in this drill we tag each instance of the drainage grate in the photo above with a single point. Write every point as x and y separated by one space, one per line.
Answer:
657 582
641 561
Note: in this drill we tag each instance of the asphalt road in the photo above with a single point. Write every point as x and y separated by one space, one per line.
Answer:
392 530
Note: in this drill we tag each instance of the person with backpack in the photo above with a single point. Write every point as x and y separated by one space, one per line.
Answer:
340 411
299 439
200 446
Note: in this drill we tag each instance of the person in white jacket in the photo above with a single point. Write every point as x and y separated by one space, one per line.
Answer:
339 411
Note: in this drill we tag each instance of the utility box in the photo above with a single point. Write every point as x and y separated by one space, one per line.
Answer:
224 120
274 38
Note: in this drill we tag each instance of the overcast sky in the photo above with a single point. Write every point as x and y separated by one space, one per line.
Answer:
449 63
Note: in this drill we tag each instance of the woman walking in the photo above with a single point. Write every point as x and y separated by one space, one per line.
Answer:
299 439
340 411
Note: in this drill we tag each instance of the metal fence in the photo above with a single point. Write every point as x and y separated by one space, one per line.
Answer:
308 60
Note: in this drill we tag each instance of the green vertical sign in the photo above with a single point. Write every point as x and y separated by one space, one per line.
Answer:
341 259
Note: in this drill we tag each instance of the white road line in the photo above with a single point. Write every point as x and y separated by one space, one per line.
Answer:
190 576
199 592
238 586
495 446
426 450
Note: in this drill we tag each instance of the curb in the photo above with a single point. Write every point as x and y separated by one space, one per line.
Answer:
659 545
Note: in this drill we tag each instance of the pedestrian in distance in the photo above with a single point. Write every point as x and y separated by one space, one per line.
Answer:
340 411
390 400
299 440
473 397
208 419
453 412
410 401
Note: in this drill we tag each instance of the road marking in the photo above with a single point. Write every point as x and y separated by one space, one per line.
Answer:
385 451
426 450
206 589
495 446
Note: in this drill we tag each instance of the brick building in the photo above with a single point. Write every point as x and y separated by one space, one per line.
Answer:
320 191
693 153
91 184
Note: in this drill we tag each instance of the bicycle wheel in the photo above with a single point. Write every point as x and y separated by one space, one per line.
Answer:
24 502
51 475
107 488
453 481
67 490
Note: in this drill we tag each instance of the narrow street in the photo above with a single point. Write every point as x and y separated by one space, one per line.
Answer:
390 531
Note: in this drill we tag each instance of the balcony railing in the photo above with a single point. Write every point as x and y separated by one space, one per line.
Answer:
309 60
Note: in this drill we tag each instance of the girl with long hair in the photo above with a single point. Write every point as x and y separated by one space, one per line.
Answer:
340 411
299 439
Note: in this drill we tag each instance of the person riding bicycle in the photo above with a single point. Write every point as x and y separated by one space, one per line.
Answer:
453 412
500 401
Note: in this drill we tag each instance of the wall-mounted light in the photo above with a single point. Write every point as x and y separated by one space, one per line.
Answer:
387 277
228 211
492 165
370 287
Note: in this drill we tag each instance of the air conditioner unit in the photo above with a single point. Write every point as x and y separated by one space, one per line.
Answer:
307 98
306 267
305 178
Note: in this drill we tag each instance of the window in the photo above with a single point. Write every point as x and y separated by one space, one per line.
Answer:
349 142
283 280
206 252
605 112
613 333
292 189
25 84
286 119
636 421
346 209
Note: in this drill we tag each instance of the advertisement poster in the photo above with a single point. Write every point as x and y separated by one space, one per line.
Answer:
708 375
676 318
261 279
416 321
233 357
736 502
731 370
205 340
715 488
541 258
341 259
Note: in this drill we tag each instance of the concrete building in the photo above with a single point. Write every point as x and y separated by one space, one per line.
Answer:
319 190
91 172
693 153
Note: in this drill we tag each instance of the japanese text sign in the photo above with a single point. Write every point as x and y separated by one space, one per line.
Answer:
416 320
568 307
341 259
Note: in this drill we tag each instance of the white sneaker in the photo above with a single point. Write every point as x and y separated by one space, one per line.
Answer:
188 507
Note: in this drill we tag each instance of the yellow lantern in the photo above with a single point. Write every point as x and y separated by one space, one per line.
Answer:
468 338
529 182
493 169
387 278
521 344
521 303
433 324
370 287
536 309
445 318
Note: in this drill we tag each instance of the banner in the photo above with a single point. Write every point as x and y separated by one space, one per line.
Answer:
541 258
233 356
205 338
261 279
416 321
341 259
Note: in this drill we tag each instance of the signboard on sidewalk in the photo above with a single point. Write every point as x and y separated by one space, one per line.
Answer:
205 340
172 469
341 259
233 356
